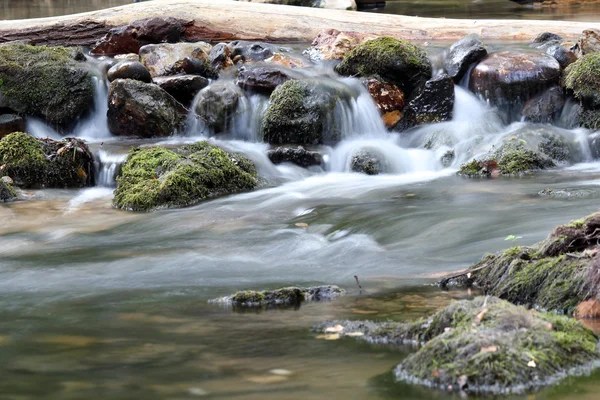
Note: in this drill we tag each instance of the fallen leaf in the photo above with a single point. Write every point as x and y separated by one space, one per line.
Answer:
335 329
280 372
489 349
355 334
531 364
480 315
330 336
301 224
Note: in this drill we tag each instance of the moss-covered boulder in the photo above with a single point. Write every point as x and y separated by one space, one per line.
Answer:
285 296
52 83
390 60
158 177
45 163
484 346
7 190
301 112
583 78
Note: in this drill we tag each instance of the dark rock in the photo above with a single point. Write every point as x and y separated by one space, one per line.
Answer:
261 79
546 37
51 83
142 109
251 51
129 70
10 123
545 107
182 87
462 55
589 42
299 156
564 56
389 99
220 56
158 177
216 105
197 66
366 162
555 147
45 163
431 103
448 158
392 60
7 190
129 38
170 59
284 296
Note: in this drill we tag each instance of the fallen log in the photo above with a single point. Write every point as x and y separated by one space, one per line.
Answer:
225 20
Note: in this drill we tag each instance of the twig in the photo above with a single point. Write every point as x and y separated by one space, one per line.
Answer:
358 283
444 282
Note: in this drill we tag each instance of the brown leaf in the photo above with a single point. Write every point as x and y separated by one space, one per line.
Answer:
489 349
301 224
479 317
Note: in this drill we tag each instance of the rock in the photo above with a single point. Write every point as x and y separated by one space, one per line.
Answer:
127 57
431 103
462 54
366 162
52 83
130 38
142 109
285 60
261 79
217 103
168 59
299 156
564 56
251 51
565 194
583 79
298 113
196 66
129 70
392 60
546 37
476 346
589 42
545 107
10 123
349 5
555 147
220 57
448 158
182 87
45 163
389 99
331 44
284 296
157 177
7 191
511 78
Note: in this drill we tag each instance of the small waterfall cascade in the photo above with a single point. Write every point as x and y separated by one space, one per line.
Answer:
95 126
108 167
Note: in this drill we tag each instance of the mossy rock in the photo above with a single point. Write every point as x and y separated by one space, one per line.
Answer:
7 191
300 112
583 78
485 346
46 163
52 83
158 177
556 274
285 296
391 60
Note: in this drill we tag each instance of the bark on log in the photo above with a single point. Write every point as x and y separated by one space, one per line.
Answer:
225 20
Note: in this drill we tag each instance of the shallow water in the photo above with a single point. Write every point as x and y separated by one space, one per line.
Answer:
22 9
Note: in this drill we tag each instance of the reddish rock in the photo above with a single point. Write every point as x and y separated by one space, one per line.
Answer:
588 309
331 44
389 100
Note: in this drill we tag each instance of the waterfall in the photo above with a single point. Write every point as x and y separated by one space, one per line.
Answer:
107 167
95 126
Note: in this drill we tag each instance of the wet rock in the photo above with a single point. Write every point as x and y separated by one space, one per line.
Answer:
127 57
298 113
509 79
367 162
431 103
10 123
565 194
196 66
555 147
251 51
476 346
45 163
142 109
583 79
217 103
546 37
589 42
589 118
284 296
182 87
170 59
448 158
564 56
261 79
130 38
389 99
157 177
7 190
129 70
331 44
545 107
392 60
52 83
220 56
462 55
299 156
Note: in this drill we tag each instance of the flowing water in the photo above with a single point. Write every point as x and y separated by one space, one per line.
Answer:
101 303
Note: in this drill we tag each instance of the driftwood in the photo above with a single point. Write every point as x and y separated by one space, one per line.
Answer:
225 20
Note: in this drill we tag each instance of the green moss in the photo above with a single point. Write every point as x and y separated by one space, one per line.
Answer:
159 177
7 192
474 168
514 158
578 223
248 296
583 78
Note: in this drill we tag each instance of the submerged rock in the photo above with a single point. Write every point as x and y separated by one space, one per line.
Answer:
10 123
183 88
433 102
261 79
546 37
389 99
142 109
545 107
299 156
564 56
52 83
462 55
7 190
367 162
216 105
331 44
129 70
392 60
157 177
170 59
45 163
285 296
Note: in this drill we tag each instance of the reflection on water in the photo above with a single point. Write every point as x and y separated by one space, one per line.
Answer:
21 9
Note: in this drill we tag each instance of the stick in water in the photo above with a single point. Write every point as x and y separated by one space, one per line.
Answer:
358 283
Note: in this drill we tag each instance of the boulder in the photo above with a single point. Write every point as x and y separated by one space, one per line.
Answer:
51 83
217 103
431 103
462 54
251 51
10 123
157 177
130 38
183 88
367 162
261 79
546 37
129 70
589 42
290 296
564 56
45 163
220 56
391 60
169 58
7 190
331 44
388 98
142 109
545 107
582 78
299 156
483 346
